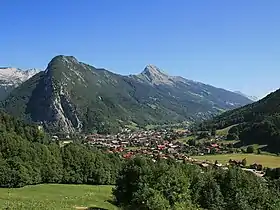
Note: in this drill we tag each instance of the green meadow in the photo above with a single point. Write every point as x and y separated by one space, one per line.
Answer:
56 196
266 160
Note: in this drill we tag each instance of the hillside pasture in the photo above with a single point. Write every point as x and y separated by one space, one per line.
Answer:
266 160
56 196
224 131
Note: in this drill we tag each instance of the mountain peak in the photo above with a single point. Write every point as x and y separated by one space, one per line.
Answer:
66 58
60 59
153 70
8 69
155 76
73 97
12 74
11 77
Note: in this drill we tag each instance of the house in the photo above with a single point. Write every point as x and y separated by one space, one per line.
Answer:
207 150
235 162
63 143
55 138
161 147
204 165
218 165
128 155
214 145
171 150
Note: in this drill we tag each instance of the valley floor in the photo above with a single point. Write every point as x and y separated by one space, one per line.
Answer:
56 196
265 160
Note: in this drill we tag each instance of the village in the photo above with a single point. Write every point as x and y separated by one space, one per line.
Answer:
167 144
179 145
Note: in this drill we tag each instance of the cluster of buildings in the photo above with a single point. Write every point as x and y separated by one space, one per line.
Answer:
209 148
163 143
137 139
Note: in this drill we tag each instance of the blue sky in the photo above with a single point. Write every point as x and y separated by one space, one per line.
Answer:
229 44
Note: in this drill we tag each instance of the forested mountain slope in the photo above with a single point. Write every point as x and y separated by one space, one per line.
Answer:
257 123
71 96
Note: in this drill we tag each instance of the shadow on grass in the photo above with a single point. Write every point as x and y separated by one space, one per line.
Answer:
97 208
238 145
113 202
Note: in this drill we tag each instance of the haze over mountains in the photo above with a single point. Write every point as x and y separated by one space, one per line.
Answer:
253 98
72 96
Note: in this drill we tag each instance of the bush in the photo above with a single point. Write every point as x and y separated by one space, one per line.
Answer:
244 162
232 136
250 149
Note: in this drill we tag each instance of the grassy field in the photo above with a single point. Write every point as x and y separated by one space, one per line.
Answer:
224 132
54 196
265 160
256 146
228 141
186 139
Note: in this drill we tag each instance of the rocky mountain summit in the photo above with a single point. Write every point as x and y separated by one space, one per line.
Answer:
13 77
72 96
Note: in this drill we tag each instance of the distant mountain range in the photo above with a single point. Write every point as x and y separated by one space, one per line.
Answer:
253 98
12 77
72 96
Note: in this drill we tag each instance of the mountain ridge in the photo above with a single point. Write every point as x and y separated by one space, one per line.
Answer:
253 98
75 96
11 77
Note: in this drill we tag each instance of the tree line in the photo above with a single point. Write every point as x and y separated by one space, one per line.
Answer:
27 163
143 184
28 156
